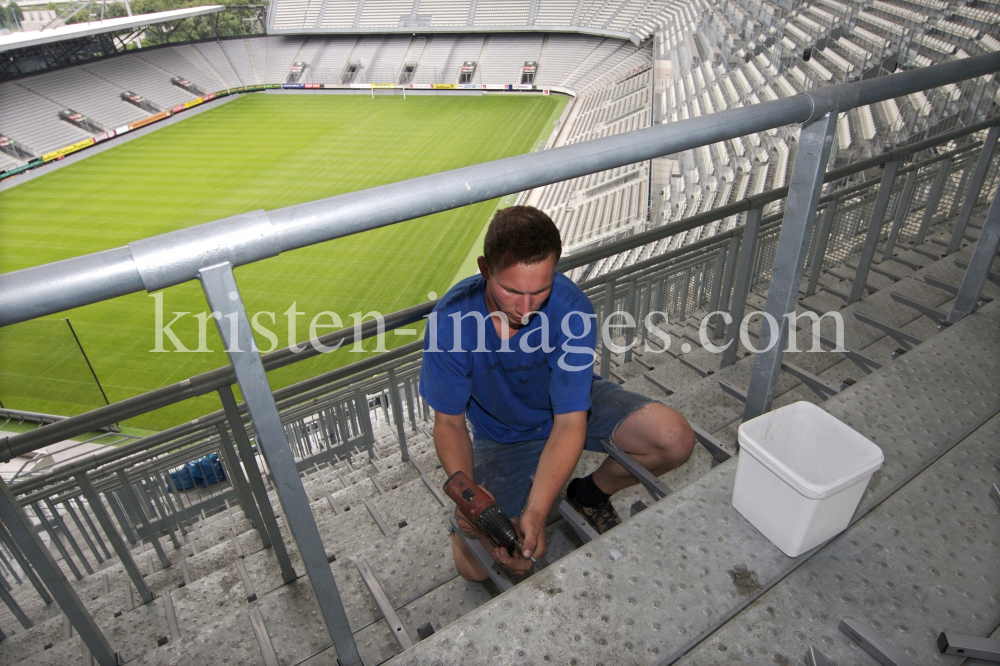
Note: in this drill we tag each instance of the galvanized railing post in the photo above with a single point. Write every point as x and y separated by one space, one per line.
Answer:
630 303
61 525
175 506
822 240
644 309
240 485
150 493
902 210
23 532
54 538
93 528
604 316
124 554
364 419
933 198
133 500
256 481
956 199
83 532
715 291
397 414
979 265
732 252
741 285
10 568
223 296
702 284
975 187
682 303
12 605
874 231
122 516
815 140
22 561
410 409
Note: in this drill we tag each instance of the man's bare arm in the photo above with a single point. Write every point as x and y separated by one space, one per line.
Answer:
453 444
558 460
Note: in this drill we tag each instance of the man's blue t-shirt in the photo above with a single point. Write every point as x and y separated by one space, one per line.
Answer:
509 395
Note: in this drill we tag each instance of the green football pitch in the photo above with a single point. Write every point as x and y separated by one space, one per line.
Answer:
258 151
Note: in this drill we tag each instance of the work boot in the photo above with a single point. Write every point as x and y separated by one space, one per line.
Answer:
601 517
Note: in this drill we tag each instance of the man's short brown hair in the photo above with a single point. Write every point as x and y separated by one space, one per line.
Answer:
520 235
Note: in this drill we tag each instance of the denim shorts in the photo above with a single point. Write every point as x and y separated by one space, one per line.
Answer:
506 469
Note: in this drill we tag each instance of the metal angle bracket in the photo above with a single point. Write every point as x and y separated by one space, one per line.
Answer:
819 386
701 371
263 638
378 486
972 647
909 264
653 485
950 288
657 383
377 517
709 441
816 658
866 364
638 360
579 524
876 646
427 482
484 559
247 582
733 391
383 603
936 315
908 341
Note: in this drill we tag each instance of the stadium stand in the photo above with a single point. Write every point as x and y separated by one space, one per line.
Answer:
505 55
86 93
629 19
33 120
129 71
94 88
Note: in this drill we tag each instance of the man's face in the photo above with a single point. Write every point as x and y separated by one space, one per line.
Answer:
518 289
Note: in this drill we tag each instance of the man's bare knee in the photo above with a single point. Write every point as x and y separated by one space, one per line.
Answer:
679 442
465 562
669 436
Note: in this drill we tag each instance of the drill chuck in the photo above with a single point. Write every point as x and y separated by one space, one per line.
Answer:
498 526
481 510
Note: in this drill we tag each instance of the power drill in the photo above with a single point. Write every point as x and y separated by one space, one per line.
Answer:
482 511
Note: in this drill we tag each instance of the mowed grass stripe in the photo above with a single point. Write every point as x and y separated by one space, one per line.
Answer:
260 151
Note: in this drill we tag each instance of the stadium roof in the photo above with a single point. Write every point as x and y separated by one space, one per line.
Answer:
18 40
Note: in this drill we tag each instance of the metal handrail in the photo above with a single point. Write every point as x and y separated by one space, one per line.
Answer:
175 257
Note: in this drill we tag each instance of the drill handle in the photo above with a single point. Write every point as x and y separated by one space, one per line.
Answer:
470 498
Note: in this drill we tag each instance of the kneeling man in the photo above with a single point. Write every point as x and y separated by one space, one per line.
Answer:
512 350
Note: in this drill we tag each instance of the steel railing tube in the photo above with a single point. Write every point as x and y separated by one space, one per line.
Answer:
62 285
197 385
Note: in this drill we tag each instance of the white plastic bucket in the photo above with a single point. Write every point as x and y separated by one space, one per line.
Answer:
800 475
